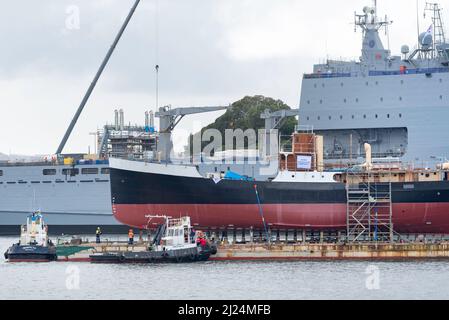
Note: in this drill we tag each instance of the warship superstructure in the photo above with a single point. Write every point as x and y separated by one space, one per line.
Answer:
397 103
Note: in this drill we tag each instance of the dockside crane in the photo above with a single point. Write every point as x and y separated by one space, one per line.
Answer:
96 78
274 121
169 119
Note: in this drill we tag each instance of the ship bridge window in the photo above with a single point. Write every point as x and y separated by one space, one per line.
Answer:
49 172
89 171
105 171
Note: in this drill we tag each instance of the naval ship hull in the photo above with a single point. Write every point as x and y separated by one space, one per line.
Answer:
73 204
155 190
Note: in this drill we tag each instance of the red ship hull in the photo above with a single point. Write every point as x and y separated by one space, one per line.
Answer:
407 217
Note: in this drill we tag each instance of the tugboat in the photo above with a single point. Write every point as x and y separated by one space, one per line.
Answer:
175 241
34 245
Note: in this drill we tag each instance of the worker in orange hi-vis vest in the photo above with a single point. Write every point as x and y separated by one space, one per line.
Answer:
131 237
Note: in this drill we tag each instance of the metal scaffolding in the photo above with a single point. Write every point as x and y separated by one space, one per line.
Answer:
369 208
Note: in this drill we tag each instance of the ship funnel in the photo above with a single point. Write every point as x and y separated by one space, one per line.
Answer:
369 157
122 120
116 120
319 151
152 119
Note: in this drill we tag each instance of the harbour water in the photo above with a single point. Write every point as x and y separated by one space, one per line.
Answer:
225 280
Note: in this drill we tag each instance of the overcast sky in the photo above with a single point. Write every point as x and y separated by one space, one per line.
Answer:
210 52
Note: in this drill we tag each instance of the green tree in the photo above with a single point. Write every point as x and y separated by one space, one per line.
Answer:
245 114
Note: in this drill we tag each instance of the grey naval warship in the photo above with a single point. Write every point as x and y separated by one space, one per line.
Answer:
73 191
397 103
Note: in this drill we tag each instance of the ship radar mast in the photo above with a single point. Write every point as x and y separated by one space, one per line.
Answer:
372 50
438 47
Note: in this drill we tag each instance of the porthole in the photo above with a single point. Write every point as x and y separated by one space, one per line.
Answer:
341 117
400 98
330 118
308 101
342 84
321 101
353 117
308 118
319 118
315 85
345 100
377 116
377 83
357 100
400 115
388 116
441 97
367 83
381 99
364 116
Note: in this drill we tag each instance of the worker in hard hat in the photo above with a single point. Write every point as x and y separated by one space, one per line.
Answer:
98 235
131 237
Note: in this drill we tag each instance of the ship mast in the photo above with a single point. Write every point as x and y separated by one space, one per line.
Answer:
439 35
96 78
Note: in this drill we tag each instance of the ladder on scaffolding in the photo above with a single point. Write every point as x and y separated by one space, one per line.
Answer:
369 208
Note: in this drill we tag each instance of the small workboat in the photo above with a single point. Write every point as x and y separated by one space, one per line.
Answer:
34 244
175 241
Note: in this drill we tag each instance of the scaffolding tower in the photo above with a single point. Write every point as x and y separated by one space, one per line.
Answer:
369 208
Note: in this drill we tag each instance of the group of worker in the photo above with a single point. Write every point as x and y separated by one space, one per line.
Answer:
98 234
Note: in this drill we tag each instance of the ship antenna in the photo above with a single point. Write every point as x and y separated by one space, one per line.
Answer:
417 22
157 54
